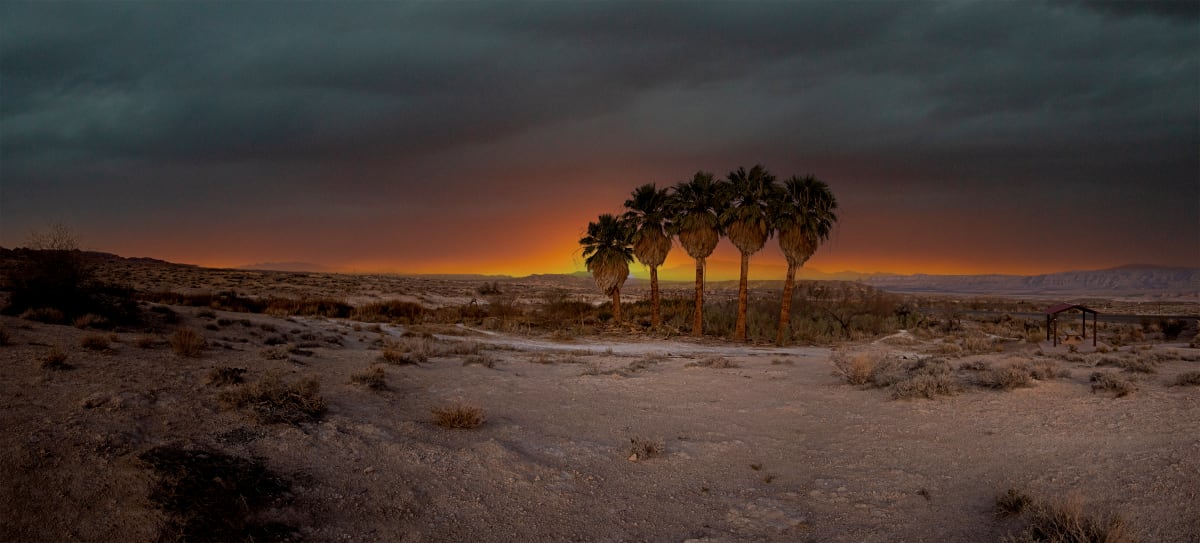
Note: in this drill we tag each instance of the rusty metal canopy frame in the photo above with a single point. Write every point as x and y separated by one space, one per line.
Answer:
1052 320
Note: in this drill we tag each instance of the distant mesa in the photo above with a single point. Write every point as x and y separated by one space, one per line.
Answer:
288 267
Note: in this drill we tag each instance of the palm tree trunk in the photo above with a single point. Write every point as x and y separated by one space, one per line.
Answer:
616 294
739 329
785 308
698 314
654 316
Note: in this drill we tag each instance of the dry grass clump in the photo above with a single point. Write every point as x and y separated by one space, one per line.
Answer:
977 344
55 359
1067 522
1019 374
409 350
1004 378
207 495
274 352
187 342
861 368
1012 503
94 342
92 320
224 375
458 416
1187 379
718 362
44 315
271 400
373 378
641 448
1107 382
1136 364
481 359
927 386
927 378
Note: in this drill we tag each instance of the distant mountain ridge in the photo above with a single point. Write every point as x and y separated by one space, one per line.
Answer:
1123 280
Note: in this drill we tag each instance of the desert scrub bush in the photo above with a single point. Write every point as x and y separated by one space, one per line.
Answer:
1107 382
861 368
397 354
274 352
482 359
373 378
187 342
224 375
927 386
718 362
1066 521
1005 377
44 315
390 311
947 348
207 495
460 416
978 344
1187 379
55 359
92 320
641 448
271 400
1012 503
94 342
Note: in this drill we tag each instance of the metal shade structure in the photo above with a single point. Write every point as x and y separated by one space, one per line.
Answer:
1052 320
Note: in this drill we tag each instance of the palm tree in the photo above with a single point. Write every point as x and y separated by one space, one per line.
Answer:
804 214
607 253
747 223
695 206
647 215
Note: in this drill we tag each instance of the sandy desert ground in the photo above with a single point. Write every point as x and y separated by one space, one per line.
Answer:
611 437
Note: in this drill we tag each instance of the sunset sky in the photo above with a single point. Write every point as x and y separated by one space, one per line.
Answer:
481 137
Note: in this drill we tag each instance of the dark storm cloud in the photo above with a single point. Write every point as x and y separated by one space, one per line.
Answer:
232 99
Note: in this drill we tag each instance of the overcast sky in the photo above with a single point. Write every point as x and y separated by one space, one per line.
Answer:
481 137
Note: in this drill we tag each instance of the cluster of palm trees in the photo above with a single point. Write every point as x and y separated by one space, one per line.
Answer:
748 207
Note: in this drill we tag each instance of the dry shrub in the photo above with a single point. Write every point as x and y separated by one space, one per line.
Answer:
1186 379
207 495
373 378
224 375
458 416
1044 370
481 359
409 350
147 342
927 386
1012 503
55 359
718 362
271 400
94 342
5 338
976 344
974 365
1067 522
643 364
641 448
92 320
783 362
274 352
1139 365
44 315
1107 382
1004 378
947 348
860 368
187 342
